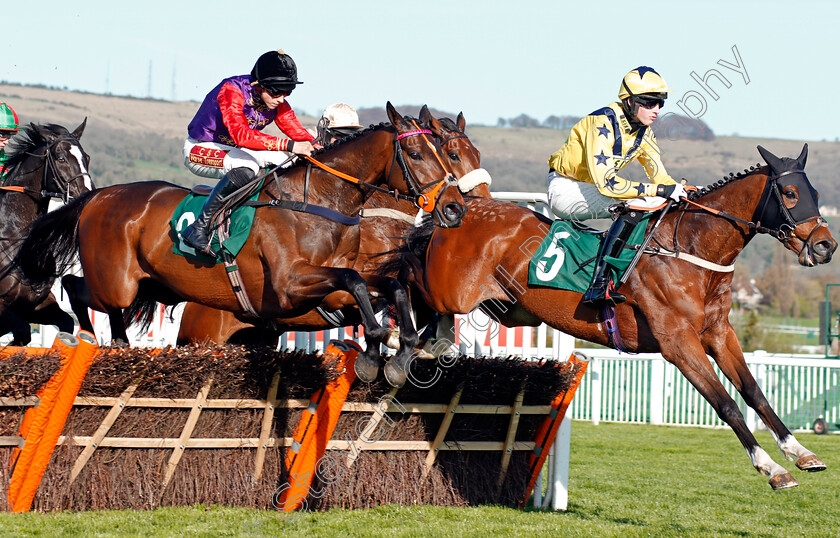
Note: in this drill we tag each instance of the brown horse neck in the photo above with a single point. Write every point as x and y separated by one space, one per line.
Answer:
713 237
367 159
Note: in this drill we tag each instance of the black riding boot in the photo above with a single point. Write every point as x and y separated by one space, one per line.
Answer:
614 241
197 234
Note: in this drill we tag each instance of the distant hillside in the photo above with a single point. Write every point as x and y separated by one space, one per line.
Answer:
132 139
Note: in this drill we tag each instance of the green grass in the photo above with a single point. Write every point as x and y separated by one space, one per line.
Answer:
626 480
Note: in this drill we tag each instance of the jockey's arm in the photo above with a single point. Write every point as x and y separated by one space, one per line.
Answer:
649 158
232 102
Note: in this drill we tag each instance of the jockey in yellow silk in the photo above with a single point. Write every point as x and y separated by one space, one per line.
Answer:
583 178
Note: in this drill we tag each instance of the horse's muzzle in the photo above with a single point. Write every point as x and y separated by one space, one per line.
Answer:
452 214
821 251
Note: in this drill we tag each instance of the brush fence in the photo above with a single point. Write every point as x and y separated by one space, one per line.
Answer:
269 429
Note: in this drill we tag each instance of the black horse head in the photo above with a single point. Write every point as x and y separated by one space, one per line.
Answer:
49 160
788 201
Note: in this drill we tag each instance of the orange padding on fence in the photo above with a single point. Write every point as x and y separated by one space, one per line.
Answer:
42 430
547 431
315 427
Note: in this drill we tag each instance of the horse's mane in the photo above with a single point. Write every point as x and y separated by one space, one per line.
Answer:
450 124
725 181
338 143
27 139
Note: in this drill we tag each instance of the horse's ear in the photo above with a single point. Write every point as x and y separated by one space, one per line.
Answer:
43 134
802 157
396 120
462 123
77 133
425 115
774 162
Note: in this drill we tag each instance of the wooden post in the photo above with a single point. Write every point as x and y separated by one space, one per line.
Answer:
102 431
448 415
172 464
510 438
379 411
267 421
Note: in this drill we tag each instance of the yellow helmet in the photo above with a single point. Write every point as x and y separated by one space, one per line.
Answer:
641 80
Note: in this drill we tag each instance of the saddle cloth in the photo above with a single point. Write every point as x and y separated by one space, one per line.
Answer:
565 259
239 227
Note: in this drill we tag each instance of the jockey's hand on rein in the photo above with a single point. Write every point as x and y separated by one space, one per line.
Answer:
301 148
674 192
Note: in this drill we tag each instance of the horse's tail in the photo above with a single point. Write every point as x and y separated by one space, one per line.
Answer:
142 309
50 249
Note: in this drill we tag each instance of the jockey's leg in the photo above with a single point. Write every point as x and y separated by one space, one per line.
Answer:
611 246
197 234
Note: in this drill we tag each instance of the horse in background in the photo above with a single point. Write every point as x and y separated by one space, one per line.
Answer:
677 305
384 222
46 162
291 260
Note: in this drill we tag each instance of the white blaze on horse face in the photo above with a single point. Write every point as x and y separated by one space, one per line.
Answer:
77 153
762 461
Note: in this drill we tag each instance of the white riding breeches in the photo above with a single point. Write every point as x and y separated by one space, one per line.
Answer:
214 160
571 199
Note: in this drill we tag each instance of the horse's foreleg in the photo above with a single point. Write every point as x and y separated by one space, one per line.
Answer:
688 355
19 327
726 350
315 283
79 297
49 313
396 370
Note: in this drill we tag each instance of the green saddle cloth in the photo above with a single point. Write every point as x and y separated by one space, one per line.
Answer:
241 220
559 262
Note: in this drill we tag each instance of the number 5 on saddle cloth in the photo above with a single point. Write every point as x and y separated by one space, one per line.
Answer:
564 258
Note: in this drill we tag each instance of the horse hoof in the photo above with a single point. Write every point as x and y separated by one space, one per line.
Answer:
366 368
394 374
810 463
783 481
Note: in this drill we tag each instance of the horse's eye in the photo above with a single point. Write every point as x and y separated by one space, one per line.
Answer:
790 193
454 156
415 155
62 159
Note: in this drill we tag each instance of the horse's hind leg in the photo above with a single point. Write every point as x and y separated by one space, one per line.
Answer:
726 350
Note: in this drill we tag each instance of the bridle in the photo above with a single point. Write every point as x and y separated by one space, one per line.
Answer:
427 201
50 167
781 224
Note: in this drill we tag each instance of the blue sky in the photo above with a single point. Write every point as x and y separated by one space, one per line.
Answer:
488 59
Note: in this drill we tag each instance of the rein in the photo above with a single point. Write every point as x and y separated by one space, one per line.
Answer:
784 231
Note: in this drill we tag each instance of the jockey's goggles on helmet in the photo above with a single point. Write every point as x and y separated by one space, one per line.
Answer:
277 90
7 134
650 101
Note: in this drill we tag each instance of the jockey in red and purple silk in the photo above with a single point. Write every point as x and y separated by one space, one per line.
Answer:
225 139
8 128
